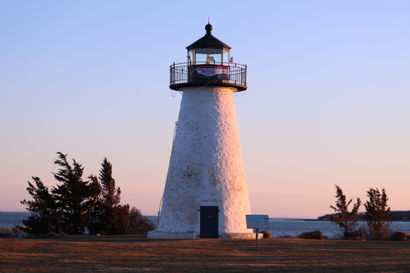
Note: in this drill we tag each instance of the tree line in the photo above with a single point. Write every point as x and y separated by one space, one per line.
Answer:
378 216
78 206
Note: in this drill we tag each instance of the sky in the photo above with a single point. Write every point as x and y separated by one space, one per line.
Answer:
327 100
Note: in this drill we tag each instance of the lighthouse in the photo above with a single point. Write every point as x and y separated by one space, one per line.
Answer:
205 194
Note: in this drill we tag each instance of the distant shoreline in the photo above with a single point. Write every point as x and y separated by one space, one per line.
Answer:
325 217
398 216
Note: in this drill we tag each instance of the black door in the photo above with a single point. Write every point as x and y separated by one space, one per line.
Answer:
209 222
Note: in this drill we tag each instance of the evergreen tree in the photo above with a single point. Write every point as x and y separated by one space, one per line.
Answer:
113 217
43 209
75 204
74 196
378 216
345 219
123 212
94 218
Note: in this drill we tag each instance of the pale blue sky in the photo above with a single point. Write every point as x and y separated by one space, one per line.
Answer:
327 102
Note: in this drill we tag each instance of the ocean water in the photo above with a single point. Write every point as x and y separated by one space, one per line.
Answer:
11 219
294 227
278 227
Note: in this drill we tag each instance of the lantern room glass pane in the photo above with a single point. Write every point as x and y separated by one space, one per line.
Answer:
200 55
190 56
207 56
217 58
225 58
200 58
215 54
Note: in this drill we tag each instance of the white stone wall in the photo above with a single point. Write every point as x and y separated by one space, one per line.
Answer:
206 166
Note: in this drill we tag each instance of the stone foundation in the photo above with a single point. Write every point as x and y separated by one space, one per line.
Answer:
193 235
171 235
241 236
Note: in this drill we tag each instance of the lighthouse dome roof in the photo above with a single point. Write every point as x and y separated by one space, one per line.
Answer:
208 40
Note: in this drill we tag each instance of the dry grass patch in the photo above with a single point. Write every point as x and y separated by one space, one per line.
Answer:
136 253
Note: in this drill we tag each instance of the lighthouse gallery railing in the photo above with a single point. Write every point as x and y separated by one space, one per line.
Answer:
186 73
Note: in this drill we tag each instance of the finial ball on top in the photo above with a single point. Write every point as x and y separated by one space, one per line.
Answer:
208 28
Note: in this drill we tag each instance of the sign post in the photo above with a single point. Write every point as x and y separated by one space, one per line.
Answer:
257 222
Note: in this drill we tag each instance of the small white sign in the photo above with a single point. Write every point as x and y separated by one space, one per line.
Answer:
257 221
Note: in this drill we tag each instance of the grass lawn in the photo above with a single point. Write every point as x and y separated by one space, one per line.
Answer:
136 253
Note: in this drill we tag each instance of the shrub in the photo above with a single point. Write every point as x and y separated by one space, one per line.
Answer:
378 216
138 224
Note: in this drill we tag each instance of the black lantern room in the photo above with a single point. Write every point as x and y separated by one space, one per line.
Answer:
208 64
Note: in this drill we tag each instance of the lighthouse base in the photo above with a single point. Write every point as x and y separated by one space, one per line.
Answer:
172 235
193 235
241 235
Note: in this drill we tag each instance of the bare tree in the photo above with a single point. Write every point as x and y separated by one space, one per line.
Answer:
345 219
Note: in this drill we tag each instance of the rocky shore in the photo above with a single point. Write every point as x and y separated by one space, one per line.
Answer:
12 232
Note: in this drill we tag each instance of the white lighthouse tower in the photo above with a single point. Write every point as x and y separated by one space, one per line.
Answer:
206 195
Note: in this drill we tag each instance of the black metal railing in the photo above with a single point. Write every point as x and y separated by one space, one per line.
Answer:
183 74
